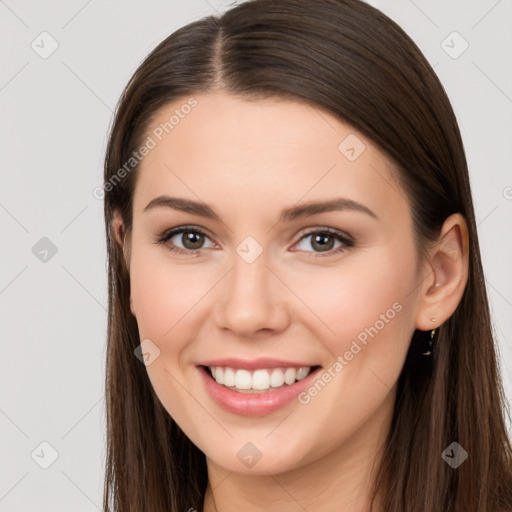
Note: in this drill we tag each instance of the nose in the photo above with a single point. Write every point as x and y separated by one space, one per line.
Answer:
252 300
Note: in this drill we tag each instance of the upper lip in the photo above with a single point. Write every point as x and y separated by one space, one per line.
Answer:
254 364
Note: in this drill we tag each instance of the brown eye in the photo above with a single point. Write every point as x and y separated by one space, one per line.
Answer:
192 239
323 242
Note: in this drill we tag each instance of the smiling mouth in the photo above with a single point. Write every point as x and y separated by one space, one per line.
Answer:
257 381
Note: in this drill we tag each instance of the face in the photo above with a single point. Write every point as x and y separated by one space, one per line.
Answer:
256 281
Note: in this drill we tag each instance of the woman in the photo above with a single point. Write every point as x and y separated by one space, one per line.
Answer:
297 311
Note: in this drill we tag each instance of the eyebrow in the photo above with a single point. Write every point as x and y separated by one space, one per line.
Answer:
287 215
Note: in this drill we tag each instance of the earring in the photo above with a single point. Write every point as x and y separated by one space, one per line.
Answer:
429 346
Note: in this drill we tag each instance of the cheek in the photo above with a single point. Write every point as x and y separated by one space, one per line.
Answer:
364 300
164 295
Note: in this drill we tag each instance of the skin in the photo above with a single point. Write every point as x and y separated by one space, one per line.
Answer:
248 161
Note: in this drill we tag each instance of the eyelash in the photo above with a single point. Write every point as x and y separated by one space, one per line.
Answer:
167 235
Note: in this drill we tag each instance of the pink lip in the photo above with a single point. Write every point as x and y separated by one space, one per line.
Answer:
253 404
254 364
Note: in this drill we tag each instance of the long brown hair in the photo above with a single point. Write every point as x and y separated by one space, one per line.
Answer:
351 59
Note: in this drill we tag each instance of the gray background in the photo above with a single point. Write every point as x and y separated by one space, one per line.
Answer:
55 113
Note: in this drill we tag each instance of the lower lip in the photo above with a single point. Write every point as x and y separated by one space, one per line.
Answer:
254 404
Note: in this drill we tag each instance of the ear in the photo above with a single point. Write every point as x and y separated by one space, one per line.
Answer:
118 228
445 274
121 237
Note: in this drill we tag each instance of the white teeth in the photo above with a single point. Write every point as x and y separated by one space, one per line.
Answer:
258 380
218 375
303 372
289 375
229 377
242 379
276 378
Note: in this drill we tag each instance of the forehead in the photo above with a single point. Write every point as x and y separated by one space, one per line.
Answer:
276 149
